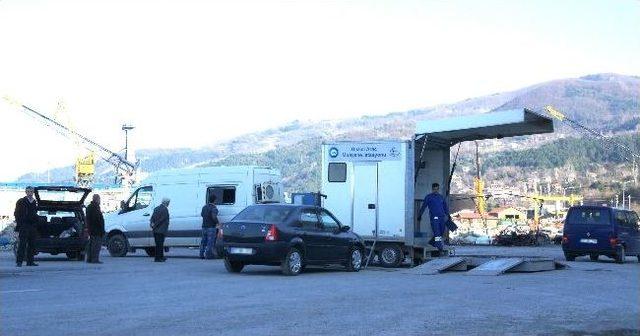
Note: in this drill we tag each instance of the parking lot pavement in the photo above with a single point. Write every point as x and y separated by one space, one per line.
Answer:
189 296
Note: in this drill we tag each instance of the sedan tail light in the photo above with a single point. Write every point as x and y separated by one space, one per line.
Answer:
272 234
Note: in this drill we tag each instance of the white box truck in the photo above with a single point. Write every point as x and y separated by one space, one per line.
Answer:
235 188
377 187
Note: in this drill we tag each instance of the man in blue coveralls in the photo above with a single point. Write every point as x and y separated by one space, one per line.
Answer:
438 213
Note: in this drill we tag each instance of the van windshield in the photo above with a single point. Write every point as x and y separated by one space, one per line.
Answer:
264 214
589 216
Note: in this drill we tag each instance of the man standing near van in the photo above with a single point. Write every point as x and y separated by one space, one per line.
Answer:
95 224
26 214
160 226
210 223
438 213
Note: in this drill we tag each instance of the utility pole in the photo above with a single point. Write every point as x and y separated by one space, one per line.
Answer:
617 201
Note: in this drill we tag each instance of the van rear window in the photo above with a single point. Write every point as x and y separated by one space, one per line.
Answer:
589 216
263 214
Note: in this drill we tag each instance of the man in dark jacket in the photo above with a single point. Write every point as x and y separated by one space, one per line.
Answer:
26 215
210 223
95 224
160 225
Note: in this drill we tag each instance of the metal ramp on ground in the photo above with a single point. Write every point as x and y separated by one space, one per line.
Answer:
440 265
496 266
486 265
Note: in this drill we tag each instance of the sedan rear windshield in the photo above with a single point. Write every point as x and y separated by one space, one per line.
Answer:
589 216
264 214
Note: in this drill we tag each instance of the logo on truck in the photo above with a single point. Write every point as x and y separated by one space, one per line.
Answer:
333 152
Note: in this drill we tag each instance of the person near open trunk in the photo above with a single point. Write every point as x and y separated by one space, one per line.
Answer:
95 224
160 225
26 215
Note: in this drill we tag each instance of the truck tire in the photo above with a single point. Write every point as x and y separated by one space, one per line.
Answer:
233 266
118 245
391 256
620 255
292 264
354 261
594 257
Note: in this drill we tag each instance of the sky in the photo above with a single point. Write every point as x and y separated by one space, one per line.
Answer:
191 73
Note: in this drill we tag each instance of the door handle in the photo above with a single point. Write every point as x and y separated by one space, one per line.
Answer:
146 215
371 206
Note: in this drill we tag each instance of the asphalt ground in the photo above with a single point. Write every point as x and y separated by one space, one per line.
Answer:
189 296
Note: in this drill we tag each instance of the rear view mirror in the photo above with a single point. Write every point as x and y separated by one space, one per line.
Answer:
345 228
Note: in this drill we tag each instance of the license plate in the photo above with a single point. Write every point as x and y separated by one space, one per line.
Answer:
240 250
589 241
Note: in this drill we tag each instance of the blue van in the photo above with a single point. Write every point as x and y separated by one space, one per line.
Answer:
599 230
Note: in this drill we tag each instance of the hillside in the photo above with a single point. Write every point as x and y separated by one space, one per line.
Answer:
607 102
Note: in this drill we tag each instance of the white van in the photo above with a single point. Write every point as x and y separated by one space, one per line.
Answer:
235 188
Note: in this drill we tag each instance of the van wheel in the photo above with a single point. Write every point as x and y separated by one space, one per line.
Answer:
354 262
569 256
292 264
233 266
391 256
117 245
620 256
593 257
151 251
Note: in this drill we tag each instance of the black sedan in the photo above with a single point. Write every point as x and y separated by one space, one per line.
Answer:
289 236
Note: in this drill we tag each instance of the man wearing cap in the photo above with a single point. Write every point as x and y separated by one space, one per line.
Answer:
26 215
438 214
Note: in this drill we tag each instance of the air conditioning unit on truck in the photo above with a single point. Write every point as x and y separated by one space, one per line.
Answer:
377 187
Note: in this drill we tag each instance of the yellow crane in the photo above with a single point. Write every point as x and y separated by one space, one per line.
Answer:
85 162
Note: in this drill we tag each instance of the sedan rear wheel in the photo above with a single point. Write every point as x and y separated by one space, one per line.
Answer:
354 263
292 264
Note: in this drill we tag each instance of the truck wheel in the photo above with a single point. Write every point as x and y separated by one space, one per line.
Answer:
354 262
118 245
569 256
151 251
292 264
391 256
593 257
233 266
620 255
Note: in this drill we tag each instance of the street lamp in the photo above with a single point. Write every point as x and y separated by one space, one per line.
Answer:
126 128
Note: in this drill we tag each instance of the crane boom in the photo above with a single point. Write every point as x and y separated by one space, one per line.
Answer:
122 166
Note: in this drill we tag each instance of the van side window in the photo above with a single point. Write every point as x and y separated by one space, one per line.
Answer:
621 218
225 195
140 199
633 219
337 172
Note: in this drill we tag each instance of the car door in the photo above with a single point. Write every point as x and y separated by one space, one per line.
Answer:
336 242
135 217
309 229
